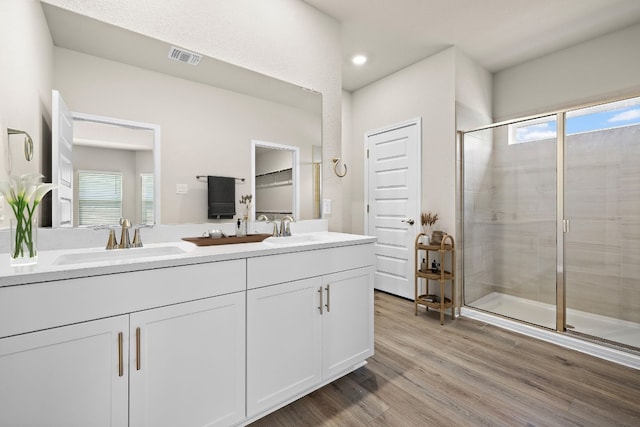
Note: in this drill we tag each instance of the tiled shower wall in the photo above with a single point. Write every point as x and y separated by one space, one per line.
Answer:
510 210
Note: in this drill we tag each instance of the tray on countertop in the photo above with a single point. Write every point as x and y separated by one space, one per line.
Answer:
227 240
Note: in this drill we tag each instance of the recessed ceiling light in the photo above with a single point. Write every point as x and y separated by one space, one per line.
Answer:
359 59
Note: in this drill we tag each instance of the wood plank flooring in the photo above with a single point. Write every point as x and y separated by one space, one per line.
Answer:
467 373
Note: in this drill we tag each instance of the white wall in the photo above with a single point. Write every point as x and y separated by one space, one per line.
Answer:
425 89
474 92
25 84
351 144
205 130
285 39
605 67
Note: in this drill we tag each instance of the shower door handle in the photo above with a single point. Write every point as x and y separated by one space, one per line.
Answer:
409 221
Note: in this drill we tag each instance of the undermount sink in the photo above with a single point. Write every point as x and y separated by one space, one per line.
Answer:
132 254
290 240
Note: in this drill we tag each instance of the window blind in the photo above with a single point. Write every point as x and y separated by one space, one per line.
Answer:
146 192
99 198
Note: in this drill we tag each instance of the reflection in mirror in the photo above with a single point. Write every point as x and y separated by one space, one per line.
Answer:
276 184
113 163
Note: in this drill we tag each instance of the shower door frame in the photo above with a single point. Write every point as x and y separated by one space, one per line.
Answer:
562 223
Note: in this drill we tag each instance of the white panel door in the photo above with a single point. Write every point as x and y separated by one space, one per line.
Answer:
62 162
393 201
187 364
68 376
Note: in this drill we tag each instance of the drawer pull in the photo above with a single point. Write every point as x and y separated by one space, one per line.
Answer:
137 349
320 292
120 355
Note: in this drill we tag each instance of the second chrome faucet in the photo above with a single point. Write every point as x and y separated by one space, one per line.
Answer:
125 240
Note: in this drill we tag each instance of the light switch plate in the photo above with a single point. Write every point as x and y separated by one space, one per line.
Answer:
182 188
326 206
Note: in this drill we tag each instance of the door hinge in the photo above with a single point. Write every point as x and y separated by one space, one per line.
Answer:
367 208
565 225
367 153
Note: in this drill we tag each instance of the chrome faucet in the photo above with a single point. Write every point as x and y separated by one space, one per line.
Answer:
125 242
285 231
137 240
112 243
263 217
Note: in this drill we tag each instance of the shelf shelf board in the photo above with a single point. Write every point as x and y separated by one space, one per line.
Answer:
435 276
434 247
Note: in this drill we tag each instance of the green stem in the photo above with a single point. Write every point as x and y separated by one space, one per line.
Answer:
24 229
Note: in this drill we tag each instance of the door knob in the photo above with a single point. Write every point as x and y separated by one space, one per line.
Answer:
409 221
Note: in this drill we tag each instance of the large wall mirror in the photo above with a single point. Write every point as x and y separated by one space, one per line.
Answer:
208 113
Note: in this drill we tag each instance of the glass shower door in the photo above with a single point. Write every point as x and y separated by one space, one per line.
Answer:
602 204
509 220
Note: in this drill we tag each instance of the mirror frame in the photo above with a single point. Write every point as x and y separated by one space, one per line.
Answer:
295 151
156 149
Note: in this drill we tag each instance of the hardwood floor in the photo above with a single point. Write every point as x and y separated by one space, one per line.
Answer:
467 373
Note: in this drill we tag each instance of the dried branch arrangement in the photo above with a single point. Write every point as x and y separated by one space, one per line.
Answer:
428 219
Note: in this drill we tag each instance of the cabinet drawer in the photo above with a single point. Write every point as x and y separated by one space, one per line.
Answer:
48 304
269 270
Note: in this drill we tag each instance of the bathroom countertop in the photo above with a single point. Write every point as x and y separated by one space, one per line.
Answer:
49 267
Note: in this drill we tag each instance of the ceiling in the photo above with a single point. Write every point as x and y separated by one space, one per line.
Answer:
496 33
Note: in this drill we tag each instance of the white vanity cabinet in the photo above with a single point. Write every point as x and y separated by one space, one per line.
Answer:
68 376
284 342
169 351
187 364
347 320
309 320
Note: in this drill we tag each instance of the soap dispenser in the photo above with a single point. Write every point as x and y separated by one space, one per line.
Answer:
241 228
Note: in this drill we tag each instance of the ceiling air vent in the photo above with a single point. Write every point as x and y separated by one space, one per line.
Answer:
185 56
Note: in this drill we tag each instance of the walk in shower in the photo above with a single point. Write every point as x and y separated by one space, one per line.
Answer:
551 221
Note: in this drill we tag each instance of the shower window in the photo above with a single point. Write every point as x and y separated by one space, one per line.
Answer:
532 130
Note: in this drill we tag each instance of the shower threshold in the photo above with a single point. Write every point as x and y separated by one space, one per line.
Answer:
541 314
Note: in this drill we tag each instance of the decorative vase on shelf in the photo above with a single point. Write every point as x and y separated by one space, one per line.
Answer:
24 241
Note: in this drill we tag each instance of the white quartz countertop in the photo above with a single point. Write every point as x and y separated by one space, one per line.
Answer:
74 263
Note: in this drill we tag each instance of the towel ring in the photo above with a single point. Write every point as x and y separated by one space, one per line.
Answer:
28 142
335 168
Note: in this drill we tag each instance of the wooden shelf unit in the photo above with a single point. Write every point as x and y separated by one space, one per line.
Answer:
443 277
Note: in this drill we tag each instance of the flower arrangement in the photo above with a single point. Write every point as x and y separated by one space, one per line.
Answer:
428 220
24 194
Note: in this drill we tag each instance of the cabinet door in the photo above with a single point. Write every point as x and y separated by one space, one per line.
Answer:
283 342
347 324
68 376
188 363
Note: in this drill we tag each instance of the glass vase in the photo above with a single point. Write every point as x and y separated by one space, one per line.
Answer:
24 242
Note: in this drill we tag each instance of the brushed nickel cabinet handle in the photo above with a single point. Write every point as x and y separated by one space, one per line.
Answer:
328 304
137 349
120 355
320 292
